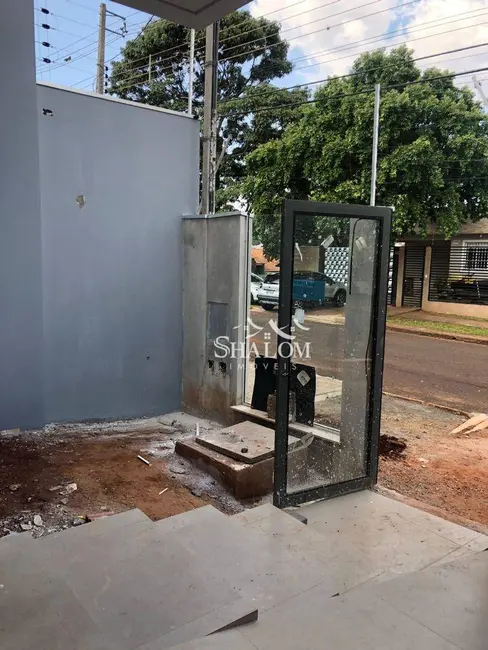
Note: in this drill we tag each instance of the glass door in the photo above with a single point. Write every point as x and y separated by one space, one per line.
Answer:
332 314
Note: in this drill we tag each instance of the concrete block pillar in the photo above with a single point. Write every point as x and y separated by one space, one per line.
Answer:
215 271
21 401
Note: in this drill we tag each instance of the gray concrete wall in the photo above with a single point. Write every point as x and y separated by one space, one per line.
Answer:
20 229
112 270
216 254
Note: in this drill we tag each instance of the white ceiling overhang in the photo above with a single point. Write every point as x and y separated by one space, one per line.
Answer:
192 13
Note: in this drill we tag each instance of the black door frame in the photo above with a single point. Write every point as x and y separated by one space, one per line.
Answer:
290 210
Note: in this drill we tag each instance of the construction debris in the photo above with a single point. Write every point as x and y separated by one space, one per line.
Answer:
144 460
392 447
38 520
477 422
14 487
163 491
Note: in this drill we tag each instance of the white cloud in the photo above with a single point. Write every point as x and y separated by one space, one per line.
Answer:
325 40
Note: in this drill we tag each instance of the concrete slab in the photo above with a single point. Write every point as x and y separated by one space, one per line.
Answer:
267 568
310 621
451 600
246 442
141 584
244 480
379 536
38 610
239 613
222 641
348 511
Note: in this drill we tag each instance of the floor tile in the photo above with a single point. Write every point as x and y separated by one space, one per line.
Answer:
310 622
451 600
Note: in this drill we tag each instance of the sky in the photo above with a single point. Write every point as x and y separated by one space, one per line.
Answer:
325 36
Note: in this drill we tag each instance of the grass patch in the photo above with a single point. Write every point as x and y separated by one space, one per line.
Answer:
451 328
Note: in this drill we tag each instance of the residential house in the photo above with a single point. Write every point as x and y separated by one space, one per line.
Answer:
442 275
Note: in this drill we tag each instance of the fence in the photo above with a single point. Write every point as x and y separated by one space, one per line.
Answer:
459 272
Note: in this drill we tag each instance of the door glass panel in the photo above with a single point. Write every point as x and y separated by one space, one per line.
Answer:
262 325
335 264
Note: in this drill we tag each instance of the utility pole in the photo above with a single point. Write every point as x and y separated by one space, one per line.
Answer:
102 29
209 119
376 130
191 71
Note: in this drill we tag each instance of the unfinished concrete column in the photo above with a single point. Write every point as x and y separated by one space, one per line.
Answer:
215 266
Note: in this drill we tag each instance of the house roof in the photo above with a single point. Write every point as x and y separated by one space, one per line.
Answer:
257 254
191 13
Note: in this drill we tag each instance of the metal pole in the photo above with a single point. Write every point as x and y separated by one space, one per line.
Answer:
191 71
149 71
213 134
479 88
209 123
376 129
102 24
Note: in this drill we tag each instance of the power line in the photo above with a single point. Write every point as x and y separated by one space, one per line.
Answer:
250 42
131 79
388 35
355 94
327 28
202 38
46 12
79 4
71 54
354 74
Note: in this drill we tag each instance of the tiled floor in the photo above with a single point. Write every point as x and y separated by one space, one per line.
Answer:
366 573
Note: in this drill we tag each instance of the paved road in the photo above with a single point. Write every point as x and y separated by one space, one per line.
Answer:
443 372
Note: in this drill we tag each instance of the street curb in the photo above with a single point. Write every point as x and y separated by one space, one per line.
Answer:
420 331
449 409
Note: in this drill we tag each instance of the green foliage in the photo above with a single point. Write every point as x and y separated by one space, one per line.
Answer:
432 155
251 54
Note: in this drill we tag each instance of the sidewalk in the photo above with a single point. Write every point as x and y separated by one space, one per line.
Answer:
446 326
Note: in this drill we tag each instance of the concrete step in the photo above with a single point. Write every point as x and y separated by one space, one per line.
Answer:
438 608
383 538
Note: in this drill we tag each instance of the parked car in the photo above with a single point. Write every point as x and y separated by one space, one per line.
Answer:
269 291
310 288
256 282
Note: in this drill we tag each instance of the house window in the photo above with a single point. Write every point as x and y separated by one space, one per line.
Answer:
476 256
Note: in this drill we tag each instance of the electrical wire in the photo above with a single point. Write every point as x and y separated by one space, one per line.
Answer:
380 37
326 28
250 42
221 41
78 4
355 74
354 94
308 83
397 33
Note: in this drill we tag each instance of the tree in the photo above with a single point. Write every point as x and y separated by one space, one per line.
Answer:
433 150
251 54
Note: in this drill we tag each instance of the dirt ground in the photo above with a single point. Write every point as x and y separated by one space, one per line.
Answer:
447 473
36 469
